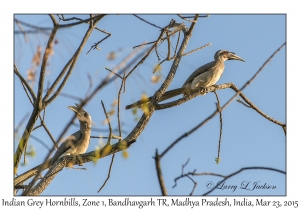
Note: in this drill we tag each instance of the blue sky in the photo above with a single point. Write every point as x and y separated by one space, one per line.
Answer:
248 138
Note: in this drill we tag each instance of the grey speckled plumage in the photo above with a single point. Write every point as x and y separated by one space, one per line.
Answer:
205 76
79 141
75 144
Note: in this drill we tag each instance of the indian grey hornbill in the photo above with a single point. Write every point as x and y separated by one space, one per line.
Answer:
75 144
205 76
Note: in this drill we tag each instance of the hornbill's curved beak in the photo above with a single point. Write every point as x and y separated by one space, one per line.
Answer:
233 56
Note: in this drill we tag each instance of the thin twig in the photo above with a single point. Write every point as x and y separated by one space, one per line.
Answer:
40 141
263 66
140 45
23 85
95 46
95 18
141 61
55 23
124 61
120 134
179 27
175 52
109 171
43 124
147 22
184 165
108 122
25 147
158 40
16 71
36 127
168 58
119 99
22 30
70 96
184 175
233 87
200 16
199 48
195 185
246 105
67 19
106 137
90 83
184 18
113 73
48 132
159 174
221 126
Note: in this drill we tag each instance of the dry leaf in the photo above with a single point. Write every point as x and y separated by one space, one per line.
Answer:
36 60
111 56
111 112
145 108
144 97
134 110
106 149
125 154
114 103
122 145
156 68
155 78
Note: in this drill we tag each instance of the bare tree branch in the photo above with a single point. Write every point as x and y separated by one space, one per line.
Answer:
95 46
16 71
159 174
108 122
221 126
199 48
95 18
109 171
184 18
55 23
22 30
